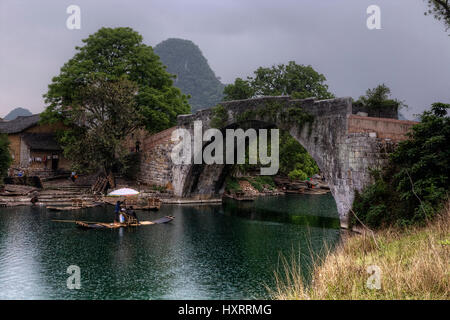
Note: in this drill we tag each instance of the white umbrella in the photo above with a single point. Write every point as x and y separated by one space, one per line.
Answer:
123 192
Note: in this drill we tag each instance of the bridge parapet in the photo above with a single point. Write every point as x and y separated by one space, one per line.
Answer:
384 128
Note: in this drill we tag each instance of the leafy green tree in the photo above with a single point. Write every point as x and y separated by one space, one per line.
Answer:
113 53
5 156
105 115
439 9
239 90
379 98
416 181
296 80
295 161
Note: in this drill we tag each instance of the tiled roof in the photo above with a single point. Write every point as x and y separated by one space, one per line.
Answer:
19 124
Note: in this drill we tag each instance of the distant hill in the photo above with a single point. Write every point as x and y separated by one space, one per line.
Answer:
18 112
194 75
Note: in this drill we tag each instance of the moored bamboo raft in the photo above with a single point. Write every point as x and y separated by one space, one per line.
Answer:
136 203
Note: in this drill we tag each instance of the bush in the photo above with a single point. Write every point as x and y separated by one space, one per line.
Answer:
414 184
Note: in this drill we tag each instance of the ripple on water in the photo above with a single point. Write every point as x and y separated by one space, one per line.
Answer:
208 252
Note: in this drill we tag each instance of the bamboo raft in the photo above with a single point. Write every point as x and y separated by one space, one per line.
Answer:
114 225
76 204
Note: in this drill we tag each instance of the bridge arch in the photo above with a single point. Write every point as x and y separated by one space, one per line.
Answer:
344 145
322 133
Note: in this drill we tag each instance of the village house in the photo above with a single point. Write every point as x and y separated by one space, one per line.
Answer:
34 148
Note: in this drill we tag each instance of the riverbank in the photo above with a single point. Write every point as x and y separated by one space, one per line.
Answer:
249 187
414 264
62 192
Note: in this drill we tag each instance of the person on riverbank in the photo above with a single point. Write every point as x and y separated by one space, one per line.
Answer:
73 176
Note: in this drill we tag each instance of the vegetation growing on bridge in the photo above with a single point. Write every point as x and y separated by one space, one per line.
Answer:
412 188
219 117
379 98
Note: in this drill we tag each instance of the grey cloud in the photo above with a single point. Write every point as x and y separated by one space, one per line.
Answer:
238 36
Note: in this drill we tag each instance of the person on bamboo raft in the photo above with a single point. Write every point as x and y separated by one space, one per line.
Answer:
117 211
132 213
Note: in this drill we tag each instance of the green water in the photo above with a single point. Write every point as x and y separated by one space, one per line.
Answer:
227 251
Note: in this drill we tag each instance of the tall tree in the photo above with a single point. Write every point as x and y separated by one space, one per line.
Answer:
111 59
293 79
113 53
105 115
440 9
5 156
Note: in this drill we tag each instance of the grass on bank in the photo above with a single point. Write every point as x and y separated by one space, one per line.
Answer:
414 264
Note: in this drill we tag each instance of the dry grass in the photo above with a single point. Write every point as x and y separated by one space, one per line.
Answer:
414 264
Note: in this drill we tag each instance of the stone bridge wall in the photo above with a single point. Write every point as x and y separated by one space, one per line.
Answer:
344 146
155 161
384 128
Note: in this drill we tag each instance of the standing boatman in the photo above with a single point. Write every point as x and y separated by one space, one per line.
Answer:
117 211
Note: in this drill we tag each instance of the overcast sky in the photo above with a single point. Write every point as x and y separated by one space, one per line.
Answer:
410 53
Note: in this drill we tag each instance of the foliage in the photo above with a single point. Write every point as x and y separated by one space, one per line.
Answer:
299 81
105 116
273 111
262 182
114 53
194 76
5 156
440 10
130 166
416 181
294 159
232 185
378 98
159 188
219 117
239 90
413 263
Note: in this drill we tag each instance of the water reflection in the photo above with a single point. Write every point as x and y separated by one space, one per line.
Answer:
207 252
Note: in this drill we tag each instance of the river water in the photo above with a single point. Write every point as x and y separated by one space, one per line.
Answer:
227 251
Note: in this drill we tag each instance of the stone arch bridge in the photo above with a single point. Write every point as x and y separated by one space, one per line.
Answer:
344 145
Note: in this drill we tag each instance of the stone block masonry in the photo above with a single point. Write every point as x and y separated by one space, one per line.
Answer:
155 161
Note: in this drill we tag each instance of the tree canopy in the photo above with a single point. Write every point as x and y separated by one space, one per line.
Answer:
296 80
439 9
106 114
113 85
113 53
